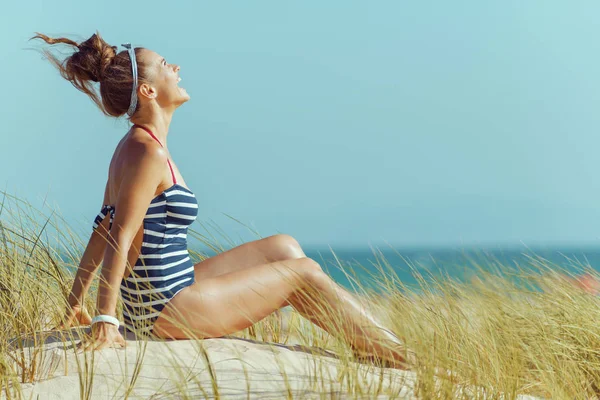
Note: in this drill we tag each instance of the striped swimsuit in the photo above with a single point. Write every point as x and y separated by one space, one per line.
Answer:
163 267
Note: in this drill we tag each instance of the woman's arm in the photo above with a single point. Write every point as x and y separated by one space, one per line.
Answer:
142 176
90 261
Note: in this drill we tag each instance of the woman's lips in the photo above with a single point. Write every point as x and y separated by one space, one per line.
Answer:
179 80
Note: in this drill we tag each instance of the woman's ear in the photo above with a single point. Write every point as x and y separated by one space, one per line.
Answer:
147 91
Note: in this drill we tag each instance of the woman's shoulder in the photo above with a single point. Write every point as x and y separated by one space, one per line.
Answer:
135 147
134 152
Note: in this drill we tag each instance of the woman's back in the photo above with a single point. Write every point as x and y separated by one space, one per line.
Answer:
162 264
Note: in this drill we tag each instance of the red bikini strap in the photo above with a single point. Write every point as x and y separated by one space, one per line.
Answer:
172 174
155 138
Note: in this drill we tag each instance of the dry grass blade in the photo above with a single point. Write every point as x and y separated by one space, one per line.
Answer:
508 331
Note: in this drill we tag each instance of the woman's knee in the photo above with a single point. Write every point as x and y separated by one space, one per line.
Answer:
285 246
312 272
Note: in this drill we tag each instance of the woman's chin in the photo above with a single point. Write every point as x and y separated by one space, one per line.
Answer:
185 94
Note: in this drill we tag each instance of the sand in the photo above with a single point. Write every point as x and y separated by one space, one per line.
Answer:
241 369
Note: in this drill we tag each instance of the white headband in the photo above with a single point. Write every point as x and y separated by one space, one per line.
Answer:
133 103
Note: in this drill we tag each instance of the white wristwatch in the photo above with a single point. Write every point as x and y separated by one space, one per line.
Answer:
105 318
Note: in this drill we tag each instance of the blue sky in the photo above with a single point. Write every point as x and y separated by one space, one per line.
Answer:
340 123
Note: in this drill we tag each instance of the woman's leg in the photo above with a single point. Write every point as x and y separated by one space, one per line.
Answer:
367 336
228 303
263 251
221 305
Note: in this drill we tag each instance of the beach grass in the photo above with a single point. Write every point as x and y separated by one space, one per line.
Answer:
507 332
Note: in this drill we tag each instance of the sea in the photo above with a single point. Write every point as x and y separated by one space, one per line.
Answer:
410 268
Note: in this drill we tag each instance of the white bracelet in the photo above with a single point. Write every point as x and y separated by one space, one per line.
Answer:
105 318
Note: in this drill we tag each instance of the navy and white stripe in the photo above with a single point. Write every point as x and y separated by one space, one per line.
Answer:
163 267
103 213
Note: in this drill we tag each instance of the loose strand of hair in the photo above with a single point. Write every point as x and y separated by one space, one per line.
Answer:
82 85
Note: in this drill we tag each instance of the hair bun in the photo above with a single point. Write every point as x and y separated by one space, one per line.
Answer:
93 58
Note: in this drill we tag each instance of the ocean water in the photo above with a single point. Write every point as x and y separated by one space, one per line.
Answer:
405 266
409 266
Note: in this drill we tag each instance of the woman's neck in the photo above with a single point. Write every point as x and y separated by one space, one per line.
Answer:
157 122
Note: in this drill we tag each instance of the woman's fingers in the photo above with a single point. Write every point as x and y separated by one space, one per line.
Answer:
101 339
89 345
86 318
100 346
85 344
122 341
80 346
74 317
59 327
97 345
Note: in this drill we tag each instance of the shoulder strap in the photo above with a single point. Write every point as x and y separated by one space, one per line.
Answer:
155 138
172 174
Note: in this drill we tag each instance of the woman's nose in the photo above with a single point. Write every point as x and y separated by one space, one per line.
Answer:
177 68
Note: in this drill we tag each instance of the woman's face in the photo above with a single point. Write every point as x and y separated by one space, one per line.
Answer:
165 80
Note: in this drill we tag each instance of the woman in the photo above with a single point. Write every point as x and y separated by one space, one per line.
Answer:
150 208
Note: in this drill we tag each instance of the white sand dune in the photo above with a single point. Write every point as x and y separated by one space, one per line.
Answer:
241 369
241 366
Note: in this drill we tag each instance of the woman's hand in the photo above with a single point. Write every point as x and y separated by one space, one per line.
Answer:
74 316
103 334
